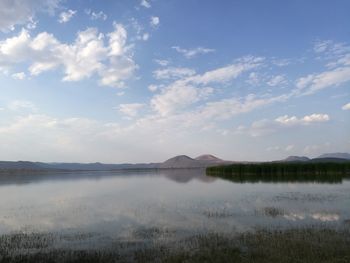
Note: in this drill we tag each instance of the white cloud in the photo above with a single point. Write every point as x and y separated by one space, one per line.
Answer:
278 80
293 120
154 21
162 62
265 126
177 97
229 72
173 73
331 48
19 76
86 56
191 89
346 106
253 79
19 105
313 83
65 16
96 16
19 12
145 3
131 109
153 88
190 53
145 36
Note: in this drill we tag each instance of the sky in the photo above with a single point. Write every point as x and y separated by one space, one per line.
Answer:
119 81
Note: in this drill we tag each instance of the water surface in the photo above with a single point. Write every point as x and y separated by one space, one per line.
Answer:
162 205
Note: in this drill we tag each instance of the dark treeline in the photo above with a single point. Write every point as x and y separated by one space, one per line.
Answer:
328 172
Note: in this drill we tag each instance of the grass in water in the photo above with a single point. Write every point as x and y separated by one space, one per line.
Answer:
262 246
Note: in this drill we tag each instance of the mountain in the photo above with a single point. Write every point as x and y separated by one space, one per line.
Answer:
335 155
209 158
182 161
20 165
296 159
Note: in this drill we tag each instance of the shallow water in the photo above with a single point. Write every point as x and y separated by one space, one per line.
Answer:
161 205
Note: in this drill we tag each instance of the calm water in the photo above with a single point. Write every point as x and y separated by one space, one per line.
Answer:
162 205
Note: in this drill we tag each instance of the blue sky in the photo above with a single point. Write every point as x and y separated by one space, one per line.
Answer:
141 81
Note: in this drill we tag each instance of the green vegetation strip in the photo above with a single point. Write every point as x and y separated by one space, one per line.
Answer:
330 172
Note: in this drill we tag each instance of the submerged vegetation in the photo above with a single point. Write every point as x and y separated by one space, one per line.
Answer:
329 172
293 245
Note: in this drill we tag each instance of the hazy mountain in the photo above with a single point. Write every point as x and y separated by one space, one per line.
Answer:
182 161
335 155
209 158
329 160
296 159
20 165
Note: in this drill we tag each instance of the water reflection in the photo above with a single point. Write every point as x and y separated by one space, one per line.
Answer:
167 203
176 175
283 178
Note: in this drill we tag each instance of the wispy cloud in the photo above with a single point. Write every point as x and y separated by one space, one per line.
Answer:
19 76
96 15
64 17
173 73
190 53
130 110
21 12
145 4
266 126
19 105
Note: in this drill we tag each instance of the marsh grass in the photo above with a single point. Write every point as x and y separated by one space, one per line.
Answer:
317 172
261 246
271 212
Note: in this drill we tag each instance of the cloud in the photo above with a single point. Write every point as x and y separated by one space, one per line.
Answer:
88 55
229 72
315 82
19 76
293 120
253 79
64 17
130 110
96 16
19 12
346 106
162 62
177 97
153 88
154 21
192 88
20 105
190 53
278 80
173 73
265 126
145 3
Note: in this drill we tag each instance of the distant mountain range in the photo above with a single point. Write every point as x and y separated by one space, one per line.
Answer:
177 162
334 157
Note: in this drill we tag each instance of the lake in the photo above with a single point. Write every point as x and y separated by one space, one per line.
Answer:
98 209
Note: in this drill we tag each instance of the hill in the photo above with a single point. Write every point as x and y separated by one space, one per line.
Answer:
182 161
335 155
209 158
296 159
